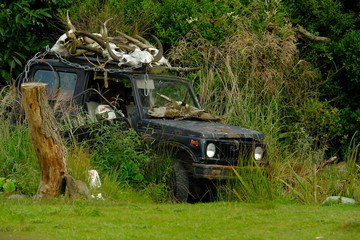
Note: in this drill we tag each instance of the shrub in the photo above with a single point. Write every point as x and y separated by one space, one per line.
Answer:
17 157
7 186
124 158
120 152
18 43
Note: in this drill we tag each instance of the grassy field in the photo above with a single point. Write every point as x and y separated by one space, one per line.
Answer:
142 219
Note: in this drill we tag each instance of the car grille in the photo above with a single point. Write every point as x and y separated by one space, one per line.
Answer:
236 152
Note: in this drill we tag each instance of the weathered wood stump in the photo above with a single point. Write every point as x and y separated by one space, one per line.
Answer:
48 144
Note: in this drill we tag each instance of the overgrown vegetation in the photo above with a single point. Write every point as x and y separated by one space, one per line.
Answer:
18 162
256 72
127 159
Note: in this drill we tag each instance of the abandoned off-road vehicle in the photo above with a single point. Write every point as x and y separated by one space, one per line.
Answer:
163 107
112 78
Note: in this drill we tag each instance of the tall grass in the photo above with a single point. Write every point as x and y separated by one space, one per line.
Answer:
256 79
18 161
249 185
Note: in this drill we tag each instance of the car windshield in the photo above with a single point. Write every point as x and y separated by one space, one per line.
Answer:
156 92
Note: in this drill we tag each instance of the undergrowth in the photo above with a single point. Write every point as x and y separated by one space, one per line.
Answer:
125 161
257 79
253 77
18 161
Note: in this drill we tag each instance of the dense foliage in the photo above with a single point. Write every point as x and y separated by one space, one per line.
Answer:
24 30
338 61
257 71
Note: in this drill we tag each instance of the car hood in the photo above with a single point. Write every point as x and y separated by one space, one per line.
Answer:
202 129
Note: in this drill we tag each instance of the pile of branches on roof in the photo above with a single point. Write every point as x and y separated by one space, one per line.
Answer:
124 49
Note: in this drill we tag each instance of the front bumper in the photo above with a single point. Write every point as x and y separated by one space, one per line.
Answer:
218 172
213 171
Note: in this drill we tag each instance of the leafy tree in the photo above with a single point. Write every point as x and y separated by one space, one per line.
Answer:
327 17
337 60
24 30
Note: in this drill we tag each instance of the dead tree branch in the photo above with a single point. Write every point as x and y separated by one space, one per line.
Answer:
309 35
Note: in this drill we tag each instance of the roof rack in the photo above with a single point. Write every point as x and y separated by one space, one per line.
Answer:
90 63
99 64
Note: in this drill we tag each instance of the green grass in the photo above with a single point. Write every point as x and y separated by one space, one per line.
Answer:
132 218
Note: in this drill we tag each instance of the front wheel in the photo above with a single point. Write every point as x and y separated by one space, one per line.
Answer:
180 183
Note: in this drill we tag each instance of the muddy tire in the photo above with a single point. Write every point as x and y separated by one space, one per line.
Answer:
180 183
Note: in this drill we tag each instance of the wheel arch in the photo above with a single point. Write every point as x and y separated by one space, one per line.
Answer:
181 153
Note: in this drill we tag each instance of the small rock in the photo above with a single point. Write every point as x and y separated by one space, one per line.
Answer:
338 199
17 196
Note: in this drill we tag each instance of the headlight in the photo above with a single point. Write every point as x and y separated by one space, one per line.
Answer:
258 153
210 150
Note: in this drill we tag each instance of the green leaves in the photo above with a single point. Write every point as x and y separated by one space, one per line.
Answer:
348 49
120 152
7 185
20 20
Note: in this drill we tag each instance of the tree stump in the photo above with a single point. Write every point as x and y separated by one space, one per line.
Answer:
49 147
45 135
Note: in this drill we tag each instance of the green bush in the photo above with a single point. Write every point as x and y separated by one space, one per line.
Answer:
17 157
18 41
131 160
336 60
319 119
120 152
8 186
327 17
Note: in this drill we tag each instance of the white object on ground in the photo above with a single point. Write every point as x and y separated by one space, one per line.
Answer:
94 179
99 196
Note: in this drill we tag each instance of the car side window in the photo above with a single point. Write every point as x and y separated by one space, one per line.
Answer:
60 84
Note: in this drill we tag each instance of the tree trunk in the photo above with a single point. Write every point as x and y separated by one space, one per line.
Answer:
45 135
